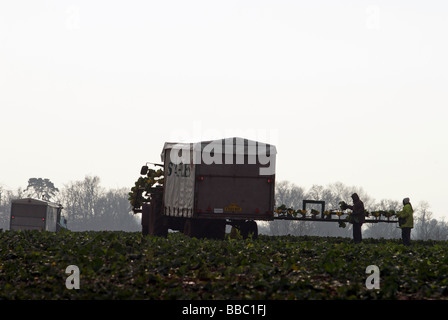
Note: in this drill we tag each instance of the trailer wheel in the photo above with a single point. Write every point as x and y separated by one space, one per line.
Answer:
214 229
211 229
249 228
153 222
192 228
157 225
146 208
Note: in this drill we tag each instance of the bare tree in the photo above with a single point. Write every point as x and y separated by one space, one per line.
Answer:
289 194
384 230
89 206
79 199
339 192
439 230
316 192
6 197
388 204
422 221
114 211
4 216
426 227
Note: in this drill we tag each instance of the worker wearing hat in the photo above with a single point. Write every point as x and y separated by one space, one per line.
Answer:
357 218
406 221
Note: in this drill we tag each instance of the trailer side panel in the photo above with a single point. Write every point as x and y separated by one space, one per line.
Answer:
226 182
28 217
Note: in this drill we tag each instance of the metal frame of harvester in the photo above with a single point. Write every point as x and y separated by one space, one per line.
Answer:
321 217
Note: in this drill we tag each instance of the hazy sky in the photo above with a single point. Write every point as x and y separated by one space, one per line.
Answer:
349 91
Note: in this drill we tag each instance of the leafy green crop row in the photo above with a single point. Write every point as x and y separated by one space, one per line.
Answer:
120 265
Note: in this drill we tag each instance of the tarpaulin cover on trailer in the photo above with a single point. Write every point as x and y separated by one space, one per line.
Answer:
179 183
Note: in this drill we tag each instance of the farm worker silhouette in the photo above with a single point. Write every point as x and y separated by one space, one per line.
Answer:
357 218
406 221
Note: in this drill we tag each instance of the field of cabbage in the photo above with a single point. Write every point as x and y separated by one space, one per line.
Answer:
121 265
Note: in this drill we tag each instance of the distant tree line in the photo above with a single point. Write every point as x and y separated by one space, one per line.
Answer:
292 196
87 205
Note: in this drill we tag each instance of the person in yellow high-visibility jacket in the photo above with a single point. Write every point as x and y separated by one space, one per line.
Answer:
406 218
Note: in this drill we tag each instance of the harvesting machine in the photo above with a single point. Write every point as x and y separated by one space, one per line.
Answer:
207 185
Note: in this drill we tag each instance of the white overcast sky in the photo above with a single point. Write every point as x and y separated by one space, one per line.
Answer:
349 91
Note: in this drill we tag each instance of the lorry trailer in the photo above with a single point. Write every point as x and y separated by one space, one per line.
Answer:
35 214
210 184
